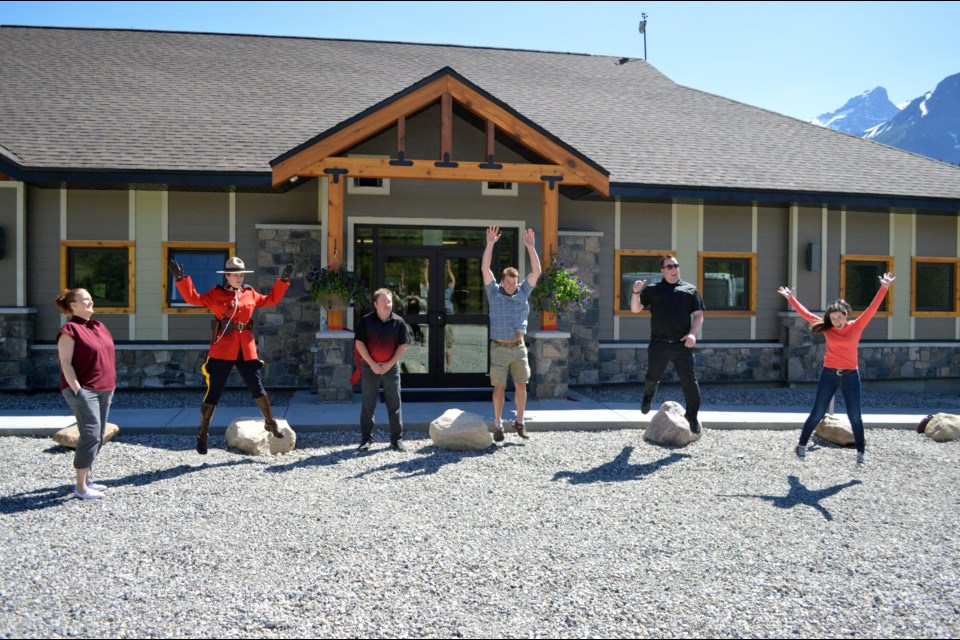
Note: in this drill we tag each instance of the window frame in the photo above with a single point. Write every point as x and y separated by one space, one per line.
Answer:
382 190
886 307
129 245
913 287
619 253
228 247
751 257
513 191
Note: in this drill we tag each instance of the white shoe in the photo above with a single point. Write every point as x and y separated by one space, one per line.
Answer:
96 487
91 494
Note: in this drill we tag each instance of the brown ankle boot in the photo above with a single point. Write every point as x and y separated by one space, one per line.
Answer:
206 414
263 402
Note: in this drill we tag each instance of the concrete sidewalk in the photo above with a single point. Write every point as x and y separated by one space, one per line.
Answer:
304 414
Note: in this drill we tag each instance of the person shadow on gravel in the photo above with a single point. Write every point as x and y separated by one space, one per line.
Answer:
334 457
424 465
799 495
619 469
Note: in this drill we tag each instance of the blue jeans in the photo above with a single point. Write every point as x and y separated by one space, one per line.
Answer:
370 384
849 384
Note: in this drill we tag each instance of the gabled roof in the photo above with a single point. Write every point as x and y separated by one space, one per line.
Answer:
195 106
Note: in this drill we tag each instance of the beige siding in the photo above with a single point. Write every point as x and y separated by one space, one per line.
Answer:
773 234
868 233
727 227
198 217
43 259
8 264
809 230
97 215
937 236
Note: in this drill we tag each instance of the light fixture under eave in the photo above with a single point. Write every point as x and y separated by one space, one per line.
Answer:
294 178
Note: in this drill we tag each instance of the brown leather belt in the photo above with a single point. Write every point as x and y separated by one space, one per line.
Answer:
508 343
239 326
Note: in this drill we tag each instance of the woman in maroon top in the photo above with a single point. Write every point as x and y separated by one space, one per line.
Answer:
88 377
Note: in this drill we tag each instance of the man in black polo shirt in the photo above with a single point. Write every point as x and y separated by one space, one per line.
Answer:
382 337
672 303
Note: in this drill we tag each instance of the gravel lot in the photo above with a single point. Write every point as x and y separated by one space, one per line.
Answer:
569 534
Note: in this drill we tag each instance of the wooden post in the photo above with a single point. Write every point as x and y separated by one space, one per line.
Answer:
550 240
335 249
446 128
401 137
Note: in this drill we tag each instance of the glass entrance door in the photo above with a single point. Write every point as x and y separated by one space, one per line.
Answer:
439 292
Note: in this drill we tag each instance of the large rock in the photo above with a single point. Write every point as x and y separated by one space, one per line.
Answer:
458 430
249 436
670 427
943 427
835 429
68 436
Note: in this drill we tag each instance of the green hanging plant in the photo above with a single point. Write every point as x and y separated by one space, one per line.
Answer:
327 283
560 290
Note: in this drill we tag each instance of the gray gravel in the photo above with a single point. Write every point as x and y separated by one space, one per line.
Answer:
570 534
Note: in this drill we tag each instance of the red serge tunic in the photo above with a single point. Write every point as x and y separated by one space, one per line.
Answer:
237 306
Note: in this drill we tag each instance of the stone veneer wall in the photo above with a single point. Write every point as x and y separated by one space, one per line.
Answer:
16 338
549 364
713 362
582 250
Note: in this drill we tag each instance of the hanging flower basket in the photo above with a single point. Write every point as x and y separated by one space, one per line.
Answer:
336 289
560 291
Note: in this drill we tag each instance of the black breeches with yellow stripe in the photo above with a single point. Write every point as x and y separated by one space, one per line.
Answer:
216 372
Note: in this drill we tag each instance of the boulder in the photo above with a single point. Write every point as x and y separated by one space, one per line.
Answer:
835 429
943 427
68 436
670 427
249 436
458 430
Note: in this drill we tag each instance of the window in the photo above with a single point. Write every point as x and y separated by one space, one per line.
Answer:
368 186
201 261
860 281
103 268
630 266
934 287
728 283
498 188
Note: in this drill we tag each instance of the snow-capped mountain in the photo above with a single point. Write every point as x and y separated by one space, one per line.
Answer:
863 112
928 125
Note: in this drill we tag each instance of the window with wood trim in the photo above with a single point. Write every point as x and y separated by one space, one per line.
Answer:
933 286
499 189
104 268
630 265
860 281
368 186
728 282
200 261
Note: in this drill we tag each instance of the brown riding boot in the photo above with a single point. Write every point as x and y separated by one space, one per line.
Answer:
263 402
206 414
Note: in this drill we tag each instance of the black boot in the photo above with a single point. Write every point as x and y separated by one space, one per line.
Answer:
206 414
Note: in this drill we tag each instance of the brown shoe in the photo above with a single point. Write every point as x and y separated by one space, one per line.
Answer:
498 434
521 430
206 414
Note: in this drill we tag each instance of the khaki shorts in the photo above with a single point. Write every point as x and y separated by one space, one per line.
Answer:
512 359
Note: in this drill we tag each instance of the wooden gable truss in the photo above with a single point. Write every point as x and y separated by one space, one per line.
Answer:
322 157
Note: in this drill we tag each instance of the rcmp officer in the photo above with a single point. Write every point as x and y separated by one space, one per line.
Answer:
232 342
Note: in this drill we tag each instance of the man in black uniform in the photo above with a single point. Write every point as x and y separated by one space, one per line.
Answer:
672 303
382 337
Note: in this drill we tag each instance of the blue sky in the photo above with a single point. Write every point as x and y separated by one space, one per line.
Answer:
797 58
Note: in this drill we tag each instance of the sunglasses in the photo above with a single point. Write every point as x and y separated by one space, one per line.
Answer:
671 267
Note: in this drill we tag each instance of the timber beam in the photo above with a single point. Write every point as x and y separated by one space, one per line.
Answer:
429 170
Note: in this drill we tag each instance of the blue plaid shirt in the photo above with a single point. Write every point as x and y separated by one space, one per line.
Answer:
508 314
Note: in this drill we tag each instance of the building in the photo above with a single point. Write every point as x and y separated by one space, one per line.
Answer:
121 148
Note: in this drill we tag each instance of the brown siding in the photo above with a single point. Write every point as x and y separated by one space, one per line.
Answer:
646 226
727 227
98 215
8 264
936 236
868 233
833 255
297 206
935 328
808 231
773 224
198 217
43 269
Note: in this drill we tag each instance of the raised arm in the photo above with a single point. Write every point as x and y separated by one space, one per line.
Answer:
788 293
535 269
635 305
493 234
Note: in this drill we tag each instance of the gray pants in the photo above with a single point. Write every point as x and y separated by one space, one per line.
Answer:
91 409
370 384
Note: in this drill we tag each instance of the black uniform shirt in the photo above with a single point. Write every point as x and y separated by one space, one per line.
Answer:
670 306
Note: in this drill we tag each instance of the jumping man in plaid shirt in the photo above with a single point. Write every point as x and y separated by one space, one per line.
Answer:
509 309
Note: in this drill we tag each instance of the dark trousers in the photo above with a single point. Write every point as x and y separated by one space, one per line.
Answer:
370 384
830 383
216 372
659 355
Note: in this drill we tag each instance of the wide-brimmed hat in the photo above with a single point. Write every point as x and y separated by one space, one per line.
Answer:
234 265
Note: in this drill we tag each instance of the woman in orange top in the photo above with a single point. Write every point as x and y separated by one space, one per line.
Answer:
232 343
840 363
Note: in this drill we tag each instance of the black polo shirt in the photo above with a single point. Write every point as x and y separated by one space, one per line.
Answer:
382 338
670 307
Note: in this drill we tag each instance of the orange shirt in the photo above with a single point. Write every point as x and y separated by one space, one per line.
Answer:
842 343
237 305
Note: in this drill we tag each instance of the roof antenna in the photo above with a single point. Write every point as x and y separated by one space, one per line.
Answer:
643 30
